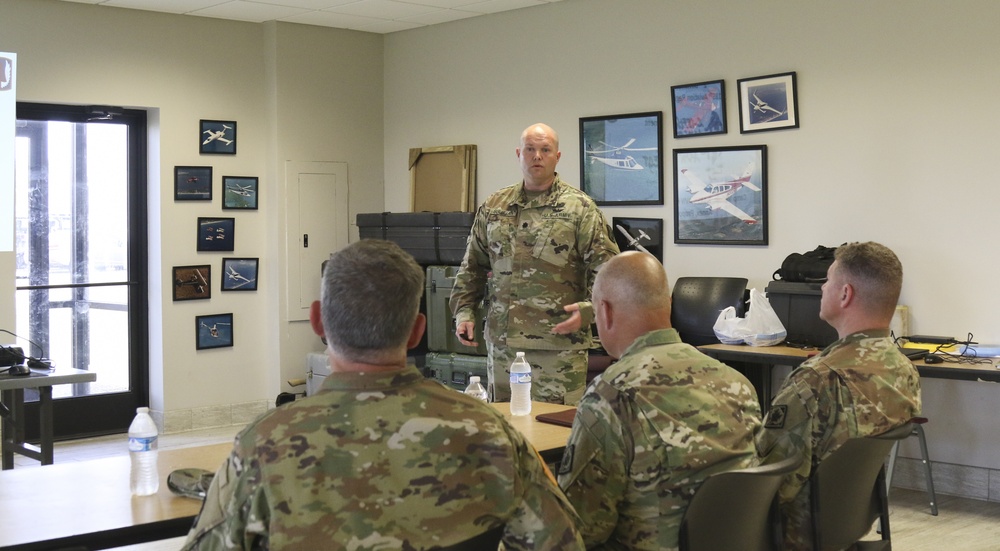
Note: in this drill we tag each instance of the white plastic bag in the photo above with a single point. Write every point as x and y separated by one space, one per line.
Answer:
760 327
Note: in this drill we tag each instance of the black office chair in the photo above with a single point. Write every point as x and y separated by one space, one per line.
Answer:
487 540
736 510
697 302
848 493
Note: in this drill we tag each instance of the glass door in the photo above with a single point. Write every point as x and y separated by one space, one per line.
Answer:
80 206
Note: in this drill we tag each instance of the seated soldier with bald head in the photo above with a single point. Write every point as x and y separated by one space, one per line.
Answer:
653 426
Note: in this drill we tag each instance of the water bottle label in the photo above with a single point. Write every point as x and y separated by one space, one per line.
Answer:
141 444
516 378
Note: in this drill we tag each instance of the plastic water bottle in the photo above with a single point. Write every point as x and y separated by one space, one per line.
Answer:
142 436
520 386
476 389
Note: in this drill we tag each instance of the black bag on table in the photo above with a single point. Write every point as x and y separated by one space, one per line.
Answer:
808 267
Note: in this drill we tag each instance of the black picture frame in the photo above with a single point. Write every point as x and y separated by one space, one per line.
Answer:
213 331
239 192
699 109
216 234
192 282
611 173
192 183
217 137
239 274
720 195
768 103
647 233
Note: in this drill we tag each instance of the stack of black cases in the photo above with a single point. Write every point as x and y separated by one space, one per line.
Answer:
433 238
448 360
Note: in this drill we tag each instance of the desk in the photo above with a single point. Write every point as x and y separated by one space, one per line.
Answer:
12 388
768 356
88 503
550 440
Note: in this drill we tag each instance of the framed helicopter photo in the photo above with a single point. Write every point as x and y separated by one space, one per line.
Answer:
239 192
621 158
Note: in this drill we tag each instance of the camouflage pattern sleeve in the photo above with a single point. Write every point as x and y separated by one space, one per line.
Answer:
544 519
788 429
470 282
592 473
217 527
595 242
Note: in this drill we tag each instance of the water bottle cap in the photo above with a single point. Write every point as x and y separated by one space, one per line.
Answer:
142 410
474 379
520 354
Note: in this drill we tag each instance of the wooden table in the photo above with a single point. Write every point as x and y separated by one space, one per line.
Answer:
88 503
550 440
13 387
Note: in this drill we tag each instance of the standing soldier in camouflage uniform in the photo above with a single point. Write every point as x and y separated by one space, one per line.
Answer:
380 457
859 386
653 426
543 241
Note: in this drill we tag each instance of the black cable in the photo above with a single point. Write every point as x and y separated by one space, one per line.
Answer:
40 349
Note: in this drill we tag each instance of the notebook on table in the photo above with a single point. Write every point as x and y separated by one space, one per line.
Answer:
564 418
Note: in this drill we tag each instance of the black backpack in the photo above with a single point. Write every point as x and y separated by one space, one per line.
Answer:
809 267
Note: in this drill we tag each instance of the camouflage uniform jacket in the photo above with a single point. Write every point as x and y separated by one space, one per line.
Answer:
544 253
382 461
859 386
647 433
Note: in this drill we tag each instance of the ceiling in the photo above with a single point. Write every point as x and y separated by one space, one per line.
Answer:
375 16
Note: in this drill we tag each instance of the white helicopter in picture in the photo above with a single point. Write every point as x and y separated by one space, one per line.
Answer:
217 135
628 163
716 196
245 191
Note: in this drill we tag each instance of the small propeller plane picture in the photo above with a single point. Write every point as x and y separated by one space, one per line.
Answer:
196 280
716 196
615 160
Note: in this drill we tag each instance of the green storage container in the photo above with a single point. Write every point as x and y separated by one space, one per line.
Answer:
440 324
454 370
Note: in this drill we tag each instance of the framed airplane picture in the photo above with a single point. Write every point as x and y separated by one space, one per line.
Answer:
192 183
217 137
192 282
768 103
639 234
239 274
216 234
621 159
720 195
239 192
699 109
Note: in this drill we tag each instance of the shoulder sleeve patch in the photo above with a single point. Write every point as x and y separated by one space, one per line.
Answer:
776 417
567 461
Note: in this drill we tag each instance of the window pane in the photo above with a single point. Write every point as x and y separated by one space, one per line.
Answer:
72 232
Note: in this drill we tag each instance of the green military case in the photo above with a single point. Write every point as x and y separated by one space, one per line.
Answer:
440 323
454 370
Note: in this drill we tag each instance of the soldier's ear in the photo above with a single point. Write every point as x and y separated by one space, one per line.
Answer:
316 318
417 331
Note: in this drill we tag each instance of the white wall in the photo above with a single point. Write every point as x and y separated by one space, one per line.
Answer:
297 93
898 130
